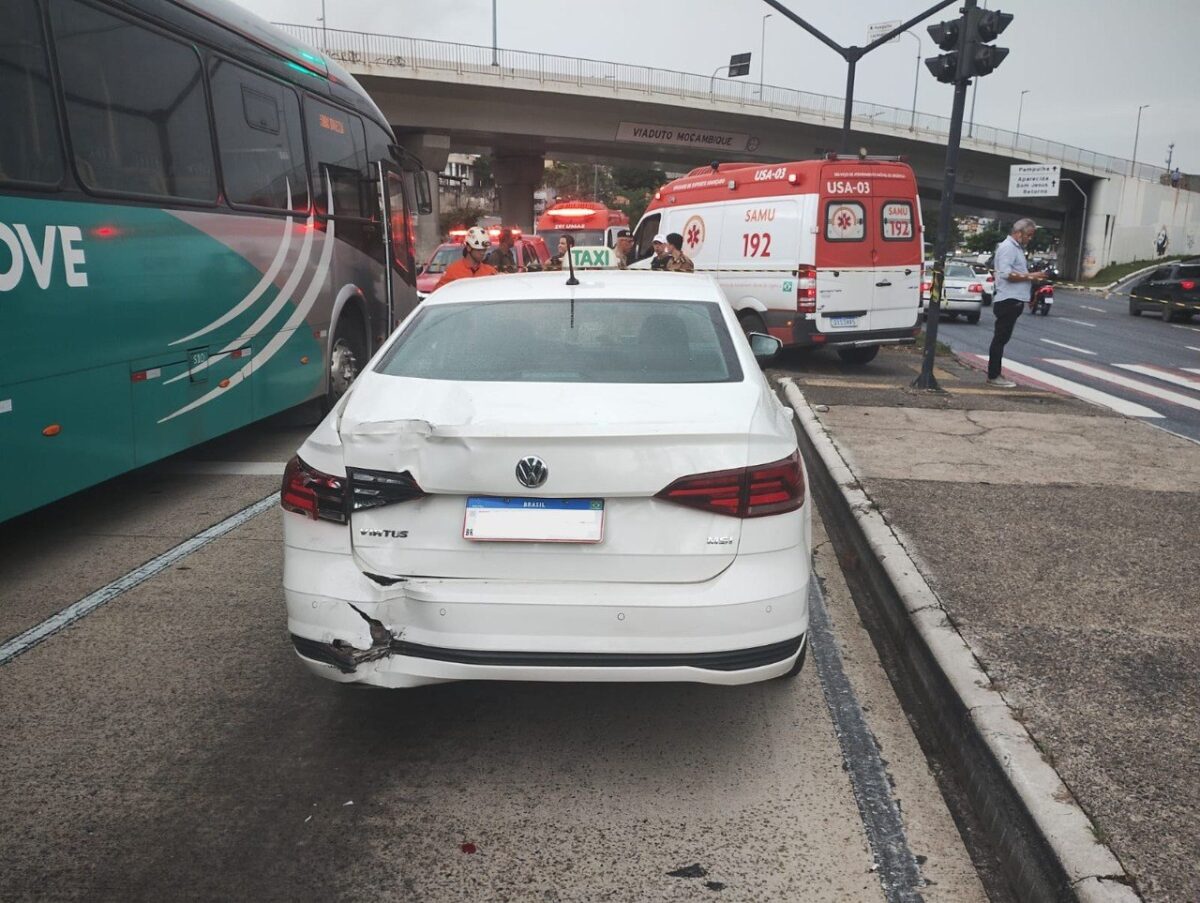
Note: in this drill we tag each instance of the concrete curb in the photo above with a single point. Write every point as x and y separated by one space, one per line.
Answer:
1008 779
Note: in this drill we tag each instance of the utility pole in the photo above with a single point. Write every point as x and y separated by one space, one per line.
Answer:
1170 154
969 57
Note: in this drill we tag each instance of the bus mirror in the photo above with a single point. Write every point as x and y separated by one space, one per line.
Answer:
424 198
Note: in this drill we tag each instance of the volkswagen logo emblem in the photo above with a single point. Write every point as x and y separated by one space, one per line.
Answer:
532 471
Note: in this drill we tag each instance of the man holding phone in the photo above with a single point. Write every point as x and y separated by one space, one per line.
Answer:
1012 294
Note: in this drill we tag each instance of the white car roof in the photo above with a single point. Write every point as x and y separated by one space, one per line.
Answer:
598 284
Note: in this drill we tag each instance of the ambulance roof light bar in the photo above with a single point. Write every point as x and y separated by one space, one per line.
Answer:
863 155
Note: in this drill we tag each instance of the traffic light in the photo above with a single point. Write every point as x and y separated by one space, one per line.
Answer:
984 25
966 40
946 36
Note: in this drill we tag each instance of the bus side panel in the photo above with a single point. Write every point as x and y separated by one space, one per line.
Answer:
63 433
296 372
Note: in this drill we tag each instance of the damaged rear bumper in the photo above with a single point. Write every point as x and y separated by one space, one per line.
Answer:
745 625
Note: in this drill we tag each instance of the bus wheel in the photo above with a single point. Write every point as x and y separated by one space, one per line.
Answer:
346 356
858 355
751 322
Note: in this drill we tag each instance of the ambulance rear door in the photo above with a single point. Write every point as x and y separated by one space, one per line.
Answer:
896 221
845 250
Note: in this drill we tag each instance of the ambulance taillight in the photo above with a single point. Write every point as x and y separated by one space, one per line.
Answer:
806 289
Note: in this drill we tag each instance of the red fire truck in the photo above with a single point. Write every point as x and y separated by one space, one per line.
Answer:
591 223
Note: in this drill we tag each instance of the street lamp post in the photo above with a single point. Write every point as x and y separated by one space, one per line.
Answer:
1136 133
762 55
324 29
912 125
495 60
1020 110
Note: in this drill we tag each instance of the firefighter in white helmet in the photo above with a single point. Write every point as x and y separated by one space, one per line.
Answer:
475 248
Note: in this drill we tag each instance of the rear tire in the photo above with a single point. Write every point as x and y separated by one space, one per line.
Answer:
973 319
1134 310
347 354
858 355
1168 314
751 322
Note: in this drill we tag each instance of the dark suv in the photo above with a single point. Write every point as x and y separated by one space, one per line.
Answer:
1172 290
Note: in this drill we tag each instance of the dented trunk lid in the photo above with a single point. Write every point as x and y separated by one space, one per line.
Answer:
617 443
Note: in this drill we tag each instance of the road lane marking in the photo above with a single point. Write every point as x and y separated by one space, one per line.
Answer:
1077 322
231 468
1181 326
1068 387
1127 383
1191 348
899 874
1166 376
23 642
1099 310
1069 347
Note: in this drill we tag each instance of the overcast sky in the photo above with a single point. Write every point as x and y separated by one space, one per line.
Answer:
1088 64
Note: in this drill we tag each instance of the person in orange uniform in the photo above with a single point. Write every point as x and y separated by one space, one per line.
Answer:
475 248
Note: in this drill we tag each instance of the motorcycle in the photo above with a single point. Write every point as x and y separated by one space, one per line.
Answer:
1042 297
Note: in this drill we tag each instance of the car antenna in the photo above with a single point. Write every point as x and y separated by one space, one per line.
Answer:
571 280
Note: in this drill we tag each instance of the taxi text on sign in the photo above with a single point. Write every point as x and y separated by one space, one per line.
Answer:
585 256
1033 181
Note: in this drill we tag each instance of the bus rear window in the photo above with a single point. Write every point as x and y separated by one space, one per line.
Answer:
136 110
29 145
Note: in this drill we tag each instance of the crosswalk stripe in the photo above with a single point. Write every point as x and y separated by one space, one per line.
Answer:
1126 382
1166 376
1068 387
1191 369
1069 347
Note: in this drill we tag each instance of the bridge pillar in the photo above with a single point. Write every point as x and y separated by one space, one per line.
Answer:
517 178
432 150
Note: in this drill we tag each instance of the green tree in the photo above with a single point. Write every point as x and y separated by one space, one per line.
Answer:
986 240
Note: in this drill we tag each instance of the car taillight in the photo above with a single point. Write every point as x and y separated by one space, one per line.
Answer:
744 492
376 488
806 289
314 494
1188 285
926 286
974 287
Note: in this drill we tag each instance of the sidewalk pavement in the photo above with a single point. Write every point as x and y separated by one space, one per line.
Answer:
1061 540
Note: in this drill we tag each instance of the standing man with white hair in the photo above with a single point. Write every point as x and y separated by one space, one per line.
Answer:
1012 294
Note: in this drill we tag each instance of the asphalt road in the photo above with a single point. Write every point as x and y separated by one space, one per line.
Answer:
1090 347
168 745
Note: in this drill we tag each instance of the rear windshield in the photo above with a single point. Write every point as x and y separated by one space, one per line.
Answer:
959 272
443 258
592 341
1189 272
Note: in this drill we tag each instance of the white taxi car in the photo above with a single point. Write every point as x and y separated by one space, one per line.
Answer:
534 481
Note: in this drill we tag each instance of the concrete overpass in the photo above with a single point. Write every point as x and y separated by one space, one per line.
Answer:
527 106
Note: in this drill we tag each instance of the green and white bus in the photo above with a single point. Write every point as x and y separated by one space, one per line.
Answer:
201 223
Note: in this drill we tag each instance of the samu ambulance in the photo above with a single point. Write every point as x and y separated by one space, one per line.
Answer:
817 253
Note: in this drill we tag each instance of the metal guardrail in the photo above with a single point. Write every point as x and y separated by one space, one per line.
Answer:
356 47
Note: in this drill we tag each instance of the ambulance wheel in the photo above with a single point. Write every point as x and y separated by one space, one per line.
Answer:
858 355
751 322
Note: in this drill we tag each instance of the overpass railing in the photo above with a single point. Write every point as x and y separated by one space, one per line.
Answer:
363 48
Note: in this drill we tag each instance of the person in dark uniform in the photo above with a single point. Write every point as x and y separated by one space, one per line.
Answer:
502 256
